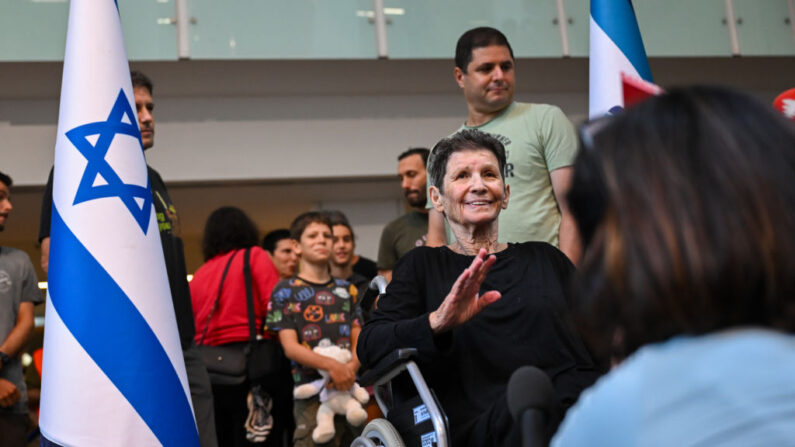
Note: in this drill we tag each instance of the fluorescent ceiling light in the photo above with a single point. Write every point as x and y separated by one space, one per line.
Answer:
387 11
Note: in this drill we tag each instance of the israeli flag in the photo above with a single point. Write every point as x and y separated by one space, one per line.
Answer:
616 47
113 370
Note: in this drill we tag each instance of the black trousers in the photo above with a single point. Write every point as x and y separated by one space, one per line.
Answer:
14 429
231 411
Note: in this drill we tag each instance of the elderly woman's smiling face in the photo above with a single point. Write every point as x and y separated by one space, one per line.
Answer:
474 191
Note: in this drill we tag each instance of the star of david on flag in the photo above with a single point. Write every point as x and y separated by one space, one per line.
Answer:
121 120
113 371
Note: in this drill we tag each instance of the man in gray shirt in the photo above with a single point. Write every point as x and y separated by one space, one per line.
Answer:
19 292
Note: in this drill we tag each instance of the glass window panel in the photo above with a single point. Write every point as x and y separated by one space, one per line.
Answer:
430 29
764 28
282 29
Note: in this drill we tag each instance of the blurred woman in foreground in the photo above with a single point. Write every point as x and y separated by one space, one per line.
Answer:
686 204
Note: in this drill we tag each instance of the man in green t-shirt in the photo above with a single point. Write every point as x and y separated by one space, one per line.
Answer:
540 144
409 230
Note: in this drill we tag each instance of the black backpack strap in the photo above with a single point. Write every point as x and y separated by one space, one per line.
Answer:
252 330
217 298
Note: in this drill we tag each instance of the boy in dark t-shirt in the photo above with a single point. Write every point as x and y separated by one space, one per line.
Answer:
308 308
314 311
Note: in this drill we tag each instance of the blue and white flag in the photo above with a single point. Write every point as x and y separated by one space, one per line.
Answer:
113 370
616 47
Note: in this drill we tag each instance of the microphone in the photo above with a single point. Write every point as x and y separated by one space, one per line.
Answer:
531 400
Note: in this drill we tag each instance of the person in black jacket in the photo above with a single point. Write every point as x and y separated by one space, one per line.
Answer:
477 309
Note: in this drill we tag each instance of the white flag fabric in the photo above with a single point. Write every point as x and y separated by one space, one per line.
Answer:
113 371
616 47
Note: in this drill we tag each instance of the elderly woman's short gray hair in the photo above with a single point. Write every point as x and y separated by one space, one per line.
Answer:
467 139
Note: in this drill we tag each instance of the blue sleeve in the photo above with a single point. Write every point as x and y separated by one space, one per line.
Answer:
608 413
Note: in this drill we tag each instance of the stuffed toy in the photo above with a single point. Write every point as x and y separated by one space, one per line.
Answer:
333 401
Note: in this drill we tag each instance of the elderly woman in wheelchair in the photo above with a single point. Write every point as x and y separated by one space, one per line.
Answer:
478 309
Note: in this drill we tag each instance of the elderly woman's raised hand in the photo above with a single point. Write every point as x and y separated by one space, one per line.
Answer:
464 302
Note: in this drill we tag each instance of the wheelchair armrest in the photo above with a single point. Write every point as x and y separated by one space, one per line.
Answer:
386 365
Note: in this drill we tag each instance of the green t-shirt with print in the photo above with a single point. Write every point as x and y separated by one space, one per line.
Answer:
538 139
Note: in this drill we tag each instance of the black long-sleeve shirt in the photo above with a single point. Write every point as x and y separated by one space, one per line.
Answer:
469 366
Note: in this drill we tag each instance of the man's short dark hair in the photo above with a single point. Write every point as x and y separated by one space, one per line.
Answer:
478 38
141 80
336 217
423 152
467 139
6 179
271 239
302 221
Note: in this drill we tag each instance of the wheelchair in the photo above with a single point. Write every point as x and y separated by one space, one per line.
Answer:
420 421
419 418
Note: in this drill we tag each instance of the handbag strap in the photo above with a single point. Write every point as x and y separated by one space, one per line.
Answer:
252 330
217 298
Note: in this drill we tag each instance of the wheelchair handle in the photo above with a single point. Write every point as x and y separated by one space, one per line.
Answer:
378 284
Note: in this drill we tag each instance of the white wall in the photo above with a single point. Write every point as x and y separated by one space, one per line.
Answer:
249 120
293 137
304 134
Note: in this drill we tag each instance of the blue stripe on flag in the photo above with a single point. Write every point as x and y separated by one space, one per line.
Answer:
617 20
117 337
44 442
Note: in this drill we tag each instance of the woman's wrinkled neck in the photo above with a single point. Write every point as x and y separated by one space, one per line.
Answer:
469 240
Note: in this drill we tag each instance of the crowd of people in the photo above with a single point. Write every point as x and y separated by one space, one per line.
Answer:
645 266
